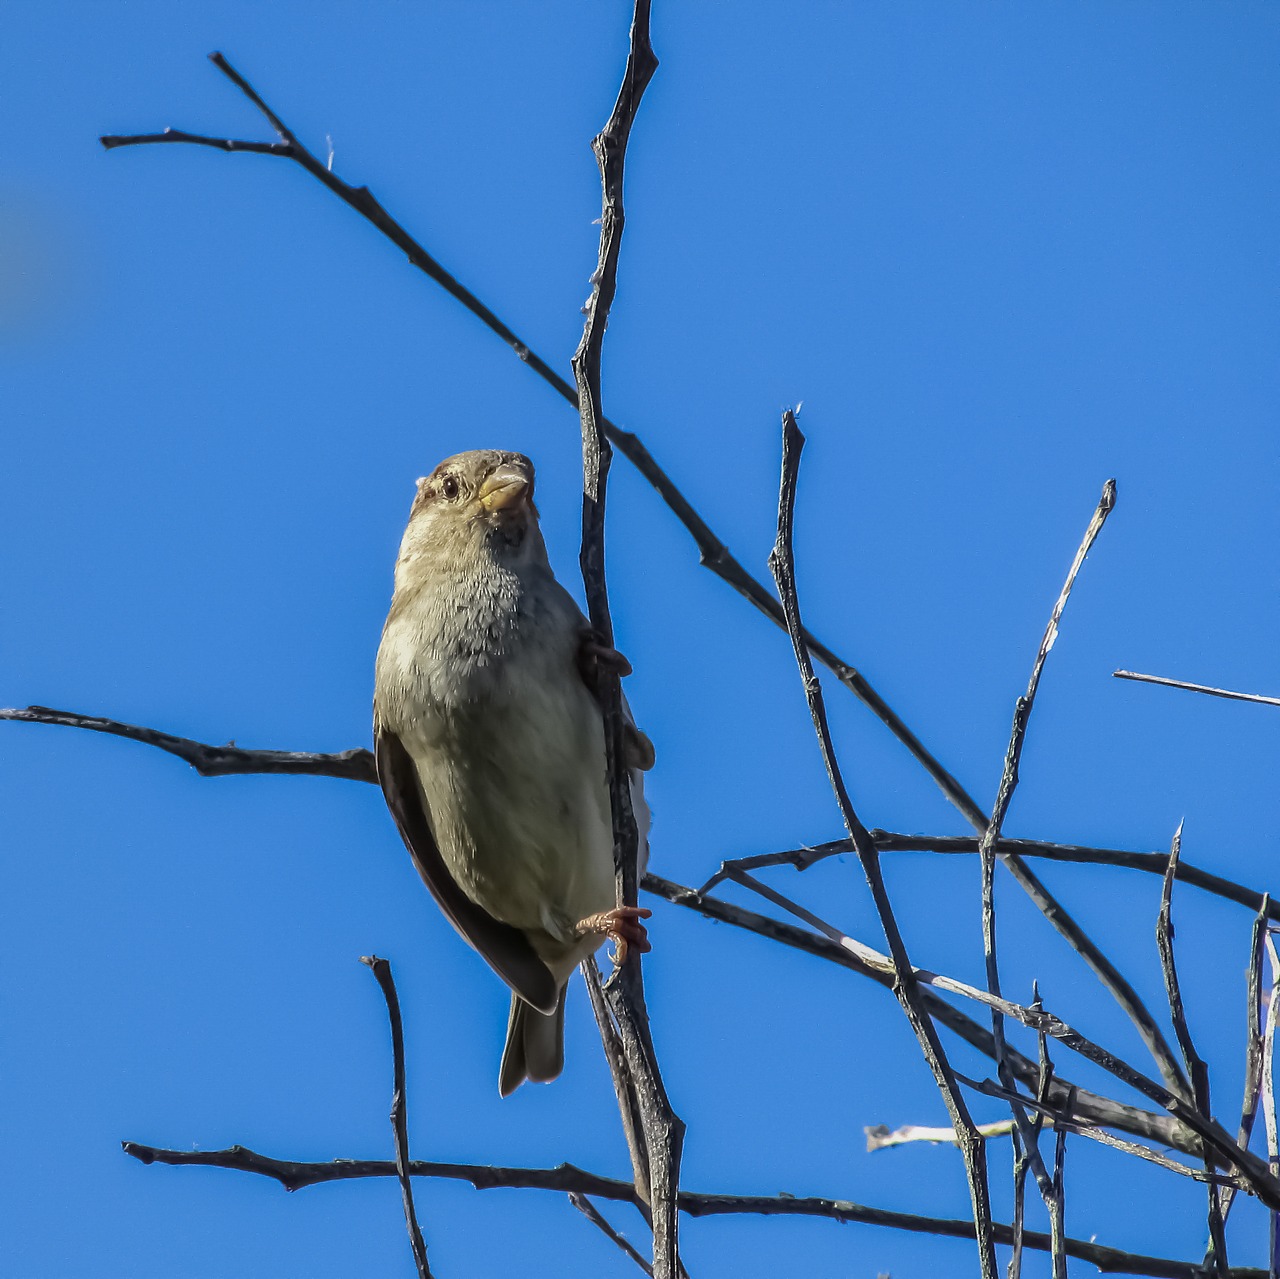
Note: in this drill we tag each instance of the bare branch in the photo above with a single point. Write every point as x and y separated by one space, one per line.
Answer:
210 761
782 564
1026 1141
1253 1045
1196 1067
597 1219
1198 688
661 1129
879 1136
399 1110
566 1177
1269 1097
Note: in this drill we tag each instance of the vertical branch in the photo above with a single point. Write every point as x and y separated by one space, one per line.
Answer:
905 985
1269 1100
662 1131
1055 1195
1196 1067
399 1110
991 836
1253 1047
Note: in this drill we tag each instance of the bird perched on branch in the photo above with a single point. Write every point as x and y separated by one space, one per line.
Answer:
490 745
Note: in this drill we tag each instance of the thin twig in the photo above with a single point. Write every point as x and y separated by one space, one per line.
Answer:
1269 1100
1059 1119
972 1149
598 1219
1196 1067
566 1177
623 1087
663 1132
1057 1205
1198 688
210 761
1253 1046
399 1110
1027 1136
712 552
879 1136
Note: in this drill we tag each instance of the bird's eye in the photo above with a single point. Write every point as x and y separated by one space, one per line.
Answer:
449 487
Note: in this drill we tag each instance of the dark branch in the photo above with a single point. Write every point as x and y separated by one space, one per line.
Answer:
1026 1137
1196 1067
210 761
1253 1045
972 1148
642 1090
601 1223
566 1178
400 1110
1198 688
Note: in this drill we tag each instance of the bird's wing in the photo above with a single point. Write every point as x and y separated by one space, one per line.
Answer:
506 949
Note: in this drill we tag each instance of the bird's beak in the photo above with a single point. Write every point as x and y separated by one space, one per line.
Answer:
506 489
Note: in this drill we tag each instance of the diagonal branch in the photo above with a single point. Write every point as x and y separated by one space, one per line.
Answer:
661 1130
1090 1108
566 1178
601 1223
712 552
972 1149
381 969
1265 1186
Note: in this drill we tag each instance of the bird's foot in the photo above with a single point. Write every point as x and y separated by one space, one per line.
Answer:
594 654
621 926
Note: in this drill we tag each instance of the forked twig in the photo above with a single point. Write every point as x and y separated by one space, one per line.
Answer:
399 1110
972 1149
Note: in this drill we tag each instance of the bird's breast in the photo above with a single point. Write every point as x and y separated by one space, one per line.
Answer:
485 693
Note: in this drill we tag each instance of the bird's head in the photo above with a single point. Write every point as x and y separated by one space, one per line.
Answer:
474 507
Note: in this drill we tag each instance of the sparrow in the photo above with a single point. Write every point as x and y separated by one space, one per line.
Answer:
490 746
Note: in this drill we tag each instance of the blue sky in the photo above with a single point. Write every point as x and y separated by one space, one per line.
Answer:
1001 252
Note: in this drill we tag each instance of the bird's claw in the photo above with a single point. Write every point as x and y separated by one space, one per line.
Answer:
623 927
594 653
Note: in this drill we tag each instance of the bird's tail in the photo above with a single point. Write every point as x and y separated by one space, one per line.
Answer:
535 1046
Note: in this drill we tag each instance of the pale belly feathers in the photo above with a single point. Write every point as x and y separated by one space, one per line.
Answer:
509 747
